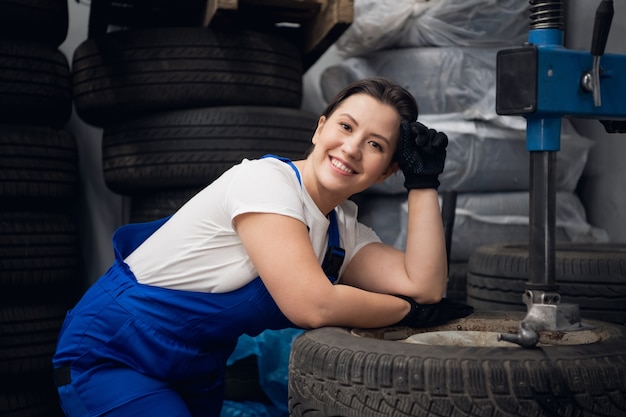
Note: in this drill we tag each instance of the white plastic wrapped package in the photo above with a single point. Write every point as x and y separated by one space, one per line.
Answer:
384 24
453 81
486 219
482 157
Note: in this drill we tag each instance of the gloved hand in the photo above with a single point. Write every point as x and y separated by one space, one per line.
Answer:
421 155
429 315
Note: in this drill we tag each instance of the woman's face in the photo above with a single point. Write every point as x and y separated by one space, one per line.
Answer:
354 146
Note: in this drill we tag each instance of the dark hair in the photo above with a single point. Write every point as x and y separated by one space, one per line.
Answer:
382 89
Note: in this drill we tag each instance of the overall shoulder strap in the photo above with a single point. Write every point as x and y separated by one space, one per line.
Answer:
335 254
287 161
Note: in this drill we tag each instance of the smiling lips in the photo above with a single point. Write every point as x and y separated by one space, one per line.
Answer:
339 165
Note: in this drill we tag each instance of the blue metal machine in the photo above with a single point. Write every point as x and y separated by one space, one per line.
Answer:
544 82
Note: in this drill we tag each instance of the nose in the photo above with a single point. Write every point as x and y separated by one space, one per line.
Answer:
352 147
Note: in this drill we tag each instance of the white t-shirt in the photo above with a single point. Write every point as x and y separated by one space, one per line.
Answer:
197 249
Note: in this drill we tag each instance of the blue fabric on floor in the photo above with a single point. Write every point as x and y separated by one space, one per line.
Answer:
272 349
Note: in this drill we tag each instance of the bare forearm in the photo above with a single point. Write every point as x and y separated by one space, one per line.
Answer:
425 255
353 307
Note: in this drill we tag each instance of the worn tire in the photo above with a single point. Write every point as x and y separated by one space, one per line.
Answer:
126 74
39 281
191 148
28 335
334 372
590 275
39 258
37 164
35 85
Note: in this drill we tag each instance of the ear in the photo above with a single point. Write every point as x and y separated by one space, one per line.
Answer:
391 169
320 123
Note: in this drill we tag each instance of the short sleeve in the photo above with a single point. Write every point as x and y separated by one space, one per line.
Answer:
264 186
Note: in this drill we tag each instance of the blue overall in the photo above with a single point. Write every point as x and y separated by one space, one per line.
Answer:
131 349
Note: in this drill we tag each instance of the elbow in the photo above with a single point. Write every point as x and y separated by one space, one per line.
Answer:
429 298
431 294
310 315
309 320
317 308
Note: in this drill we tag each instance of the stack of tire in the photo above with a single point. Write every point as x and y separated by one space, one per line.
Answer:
592 276
39 249
180 105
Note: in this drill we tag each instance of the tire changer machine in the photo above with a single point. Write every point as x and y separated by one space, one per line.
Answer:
544 82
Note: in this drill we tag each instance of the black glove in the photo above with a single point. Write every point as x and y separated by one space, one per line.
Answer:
421 155
429 315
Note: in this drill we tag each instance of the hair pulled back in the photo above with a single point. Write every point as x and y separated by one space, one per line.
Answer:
383 90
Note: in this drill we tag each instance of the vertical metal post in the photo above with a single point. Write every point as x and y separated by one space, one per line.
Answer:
541 269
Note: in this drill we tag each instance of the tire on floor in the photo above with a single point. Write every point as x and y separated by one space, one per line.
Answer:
358 373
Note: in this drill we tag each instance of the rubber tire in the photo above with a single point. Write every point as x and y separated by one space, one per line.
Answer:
149 206
28 335
40 400
39 258
43 21
191 148
590 275
126 74
39 282
334 373
35 85
37 163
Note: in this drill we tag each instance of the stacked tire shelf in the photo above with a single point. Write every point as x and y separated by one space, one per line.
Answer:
40 267
178 106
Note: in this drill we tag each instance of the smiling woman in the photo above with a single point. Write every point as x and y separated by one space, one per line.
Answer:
357 141
270 244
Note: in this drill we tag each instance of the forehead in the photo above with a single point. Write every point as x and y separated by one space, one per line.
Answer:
362 101
367 109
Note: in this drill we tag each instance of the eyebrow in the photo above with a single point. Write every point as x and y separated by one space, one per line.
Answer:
373 134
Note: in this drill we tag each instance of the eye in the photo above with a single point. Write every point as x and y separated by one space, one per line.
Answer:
346 126
376 145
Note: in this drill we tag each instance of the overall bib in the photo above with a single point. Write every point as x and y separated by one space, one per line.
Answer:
132 349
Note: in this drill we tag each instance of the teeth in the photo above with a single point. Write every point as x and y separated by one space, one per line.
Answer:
341 166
